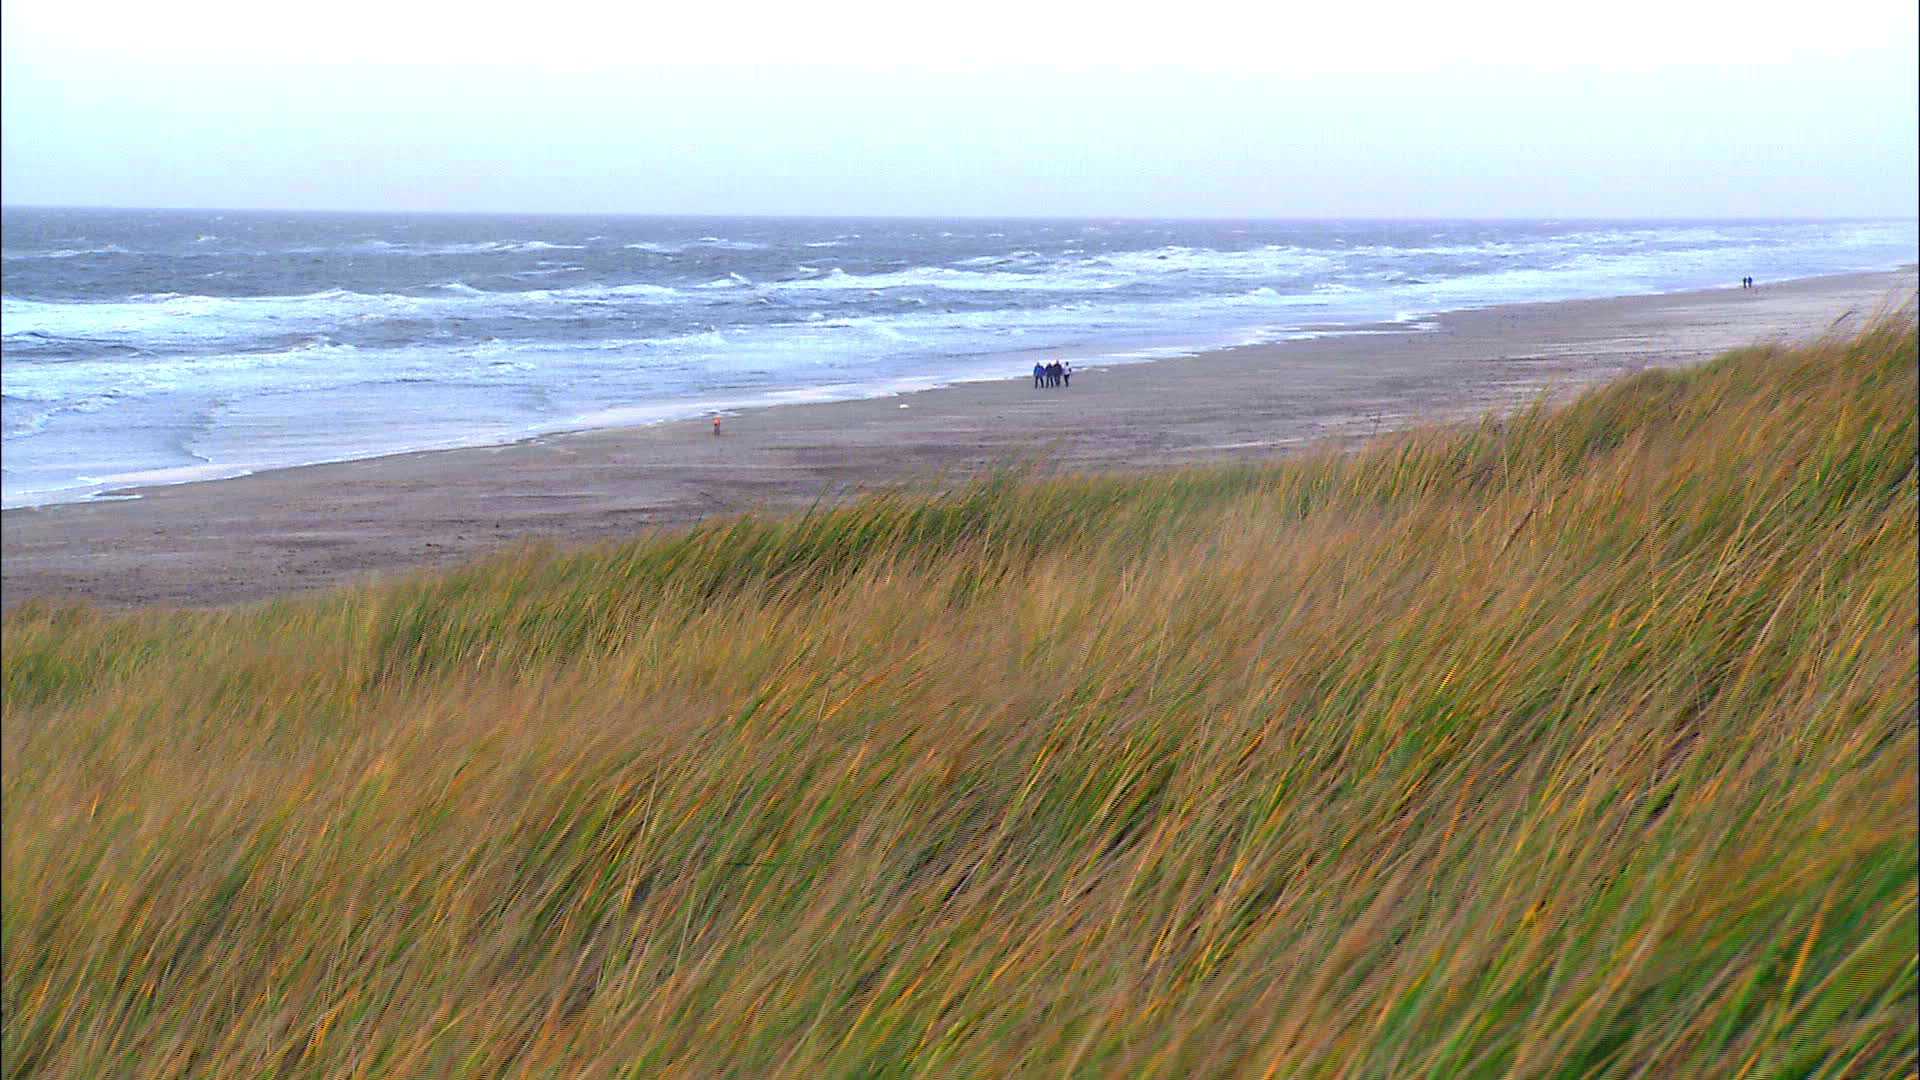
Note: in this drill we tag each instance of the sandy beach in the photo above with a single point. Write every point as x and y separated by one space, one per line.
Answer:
263 535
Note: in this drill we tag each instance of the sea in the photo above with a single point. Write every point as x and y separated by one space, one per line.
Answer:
146 347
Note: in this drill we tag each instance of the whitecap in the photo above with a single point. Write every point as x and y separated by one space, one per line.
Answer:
67 253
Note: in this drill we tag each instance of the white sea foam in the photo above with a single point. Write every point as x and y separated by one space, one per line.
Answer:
183 474
66 253
476 247
635 291
1096 273
172 318
941 277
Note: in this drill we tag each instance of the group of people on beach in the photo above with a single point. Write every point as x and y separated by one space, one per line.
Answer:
1746 283
1057 373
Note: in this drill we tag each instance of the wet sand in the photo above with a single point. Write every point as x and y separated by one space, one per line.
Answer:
259 536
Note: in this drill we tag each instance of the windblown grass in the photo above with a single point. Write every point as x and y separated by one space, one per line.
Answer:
1579 743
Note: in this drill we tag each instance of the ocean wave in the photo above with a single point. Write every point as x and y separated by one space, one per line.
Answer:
1025 270
87 385
1271 259
635 291
383 247
1017 256
66 253
707 243
942 277
170 317
721 243
492 247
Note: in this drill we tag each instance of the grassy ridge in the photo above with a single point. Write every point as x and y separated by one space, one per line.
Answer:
1581 743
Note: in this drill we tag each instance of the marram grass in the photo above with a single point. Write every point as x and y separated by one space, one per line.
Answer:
1580 743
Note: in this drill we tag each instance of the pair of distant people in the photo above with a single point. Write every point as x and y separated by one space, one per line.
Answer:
1746 283
1057 373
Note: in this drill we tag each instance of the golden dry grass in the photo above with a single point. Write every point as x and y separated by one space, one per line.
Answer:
1580 743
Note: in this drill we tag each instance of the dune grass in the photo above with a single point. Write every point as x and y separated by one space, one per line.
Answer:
1578 743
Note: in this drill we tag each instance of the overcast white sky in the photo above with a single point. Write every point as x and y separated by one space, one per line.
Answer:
1196 108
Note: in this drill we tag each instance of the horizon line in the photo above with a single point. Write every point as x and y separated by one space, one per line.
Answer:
392 212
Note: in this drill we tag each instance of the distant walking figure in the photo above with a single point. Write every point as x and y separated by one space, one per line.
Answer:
1039 376
1066 373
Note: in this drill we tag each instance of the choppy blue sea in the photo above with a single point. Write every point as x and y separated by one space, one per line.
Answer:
148 346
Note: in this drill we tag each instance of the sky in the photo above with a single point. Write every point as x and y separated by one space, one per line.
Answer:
1200 108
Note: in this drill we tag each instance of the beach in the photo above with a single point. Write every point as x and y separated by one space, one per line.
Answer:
255 537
